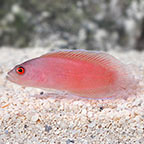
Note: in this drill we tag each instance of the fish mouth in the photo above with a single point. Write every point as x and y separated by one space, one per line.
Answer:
10 77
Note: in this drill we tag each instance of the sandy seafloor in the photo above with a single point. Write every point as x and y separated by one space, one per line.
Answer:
25 119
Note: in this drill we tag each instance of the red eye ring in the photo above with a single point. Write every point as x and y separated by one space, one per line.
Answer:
20 70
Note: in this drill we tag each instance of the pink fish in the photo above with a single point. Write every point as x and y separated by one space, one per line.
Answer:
86 74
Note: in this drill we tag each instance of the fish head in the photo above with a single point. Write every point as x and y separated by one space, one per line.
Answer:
26 74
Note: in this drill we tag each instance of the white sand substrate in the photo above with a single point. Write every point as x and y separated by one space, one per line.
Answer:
27 119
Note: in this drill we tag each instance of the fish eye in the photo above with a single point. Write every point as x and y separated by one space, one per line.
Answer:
20 70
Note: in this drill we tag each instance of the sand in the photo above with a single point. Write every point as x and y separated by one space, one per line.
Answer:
27 119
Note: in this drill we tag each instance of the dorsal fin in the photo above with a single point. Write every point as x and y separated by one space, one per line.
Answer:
101 58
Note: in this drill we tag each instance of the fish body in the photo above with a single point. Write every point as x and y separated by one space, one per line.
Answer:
82 73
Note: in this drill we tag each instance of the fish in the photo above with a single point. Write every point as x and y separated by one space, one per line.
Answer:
86 74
